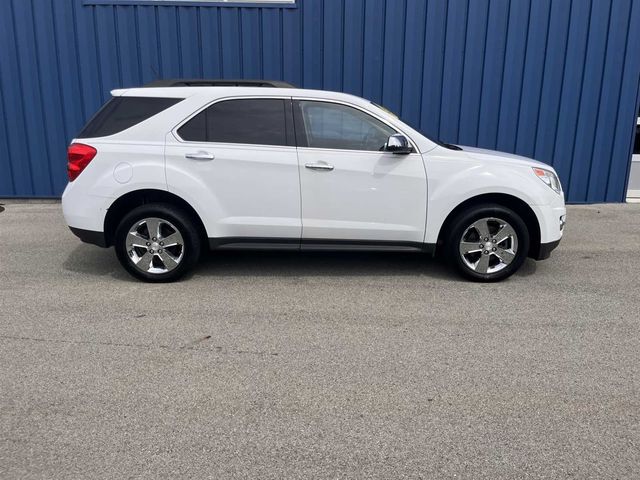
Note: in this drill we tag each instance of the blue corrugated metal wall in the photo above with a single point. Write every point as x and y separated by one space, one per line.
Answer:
555 80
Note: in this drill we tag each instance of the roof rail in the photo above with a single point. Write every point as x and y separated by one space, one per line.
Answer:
185 82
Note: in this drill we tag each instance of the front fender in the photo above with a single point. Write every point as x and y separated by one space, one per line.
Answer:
452 182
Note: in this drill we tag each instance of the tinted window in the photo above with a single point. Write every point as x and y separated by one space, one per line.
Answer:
331 125
258 122
121 113
195 130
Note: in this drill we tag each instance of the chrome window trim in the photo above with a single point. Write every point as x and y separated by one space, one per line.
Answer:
359 152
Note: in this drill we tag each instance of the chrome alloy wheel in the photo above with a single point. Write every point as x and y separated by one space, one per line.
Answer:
488 245
155 245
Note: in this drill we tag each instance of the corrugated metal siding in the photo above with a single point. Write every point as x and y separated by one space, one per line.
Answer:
555 80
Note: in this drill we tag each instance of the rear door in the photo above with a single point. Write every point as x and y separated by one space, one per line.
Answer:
236 160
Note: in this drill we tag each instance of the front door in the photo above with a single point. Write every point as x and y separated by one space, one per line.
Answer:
351 190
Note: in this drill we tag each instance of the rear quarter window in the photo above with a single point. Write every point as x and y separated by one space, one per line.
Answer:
121 113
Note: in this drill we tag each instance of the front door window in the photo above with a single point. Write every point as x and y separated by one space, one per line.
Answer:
339 127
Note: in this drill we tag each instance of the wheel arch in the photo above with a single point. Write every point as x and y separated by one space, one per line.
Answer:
127 202
510 201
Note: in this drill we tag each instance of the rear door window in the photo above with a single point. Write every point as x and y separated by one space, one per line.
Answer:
261 121
121 113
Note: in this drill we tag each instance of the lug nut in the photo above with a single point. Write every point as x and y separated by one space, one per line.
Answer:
161 243
486 239
148 244
160 251
151 251
486 252
494 249
154 239
481 246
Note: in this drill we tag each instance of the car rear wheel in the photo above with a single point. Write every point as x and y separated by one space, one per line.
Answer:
488 243
157 243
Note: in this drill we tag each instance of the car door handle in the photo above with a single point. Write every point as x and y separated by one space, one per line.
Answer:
319 166
200 156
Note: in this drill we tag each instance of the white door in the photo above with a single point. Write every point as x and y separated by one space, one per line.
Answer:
237 164
351 190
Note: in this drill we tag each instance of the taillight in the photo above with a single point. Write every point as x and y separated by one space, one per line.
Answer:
78 156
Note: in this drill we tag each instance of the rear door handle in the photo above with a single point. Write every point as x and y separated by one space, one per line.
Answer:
200 156
319 166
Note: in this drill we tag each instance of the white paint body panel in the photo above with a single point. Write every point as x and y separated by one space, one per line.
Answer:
245 191
264 191
367 196
85 201
456 176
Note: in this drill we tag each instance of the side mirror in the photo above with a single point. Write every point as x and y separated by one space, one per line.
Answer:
398 144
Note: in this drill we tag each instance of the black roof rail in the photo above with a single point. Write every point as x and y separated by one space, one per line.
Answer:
185 82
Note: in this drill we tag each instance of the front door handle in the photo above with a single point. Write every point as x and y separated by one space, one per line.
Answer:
200 156
319 166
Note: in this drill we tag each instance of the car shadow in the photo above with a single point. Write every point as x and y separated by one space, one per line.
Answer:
330 264
100 262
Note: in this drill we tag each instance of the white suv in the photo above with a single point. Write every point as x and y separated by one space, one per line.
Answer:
162 171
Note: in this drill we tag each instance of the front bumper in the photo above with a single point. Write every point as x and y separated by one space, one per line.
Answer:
545 250
552 219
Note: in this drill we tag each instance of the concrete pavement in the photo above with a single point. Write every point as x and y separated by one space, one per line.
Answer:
319 365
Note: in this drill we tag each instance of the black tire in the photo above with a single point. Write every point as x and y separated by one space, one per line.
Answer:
461 224
190 249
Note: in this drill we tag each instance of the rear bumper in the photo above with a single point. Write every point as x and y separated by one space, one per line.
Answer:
545 250
90 236
82 209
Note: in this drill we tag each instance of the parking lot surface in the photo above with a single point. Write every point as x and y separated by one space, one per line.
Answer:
264 365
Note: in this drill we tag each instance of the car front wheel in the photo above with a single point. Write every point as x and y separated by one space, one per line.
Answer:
488 243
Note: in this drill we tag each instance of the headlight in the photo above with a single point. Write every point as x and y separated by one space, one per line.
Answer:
549 178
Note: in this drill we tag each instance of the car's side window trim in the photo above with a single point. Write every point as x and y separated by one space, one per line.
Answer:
289 122
289 128
299 124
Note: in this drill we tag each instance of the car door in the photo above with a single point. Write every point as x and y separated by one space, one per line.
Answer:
236 160
351 190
